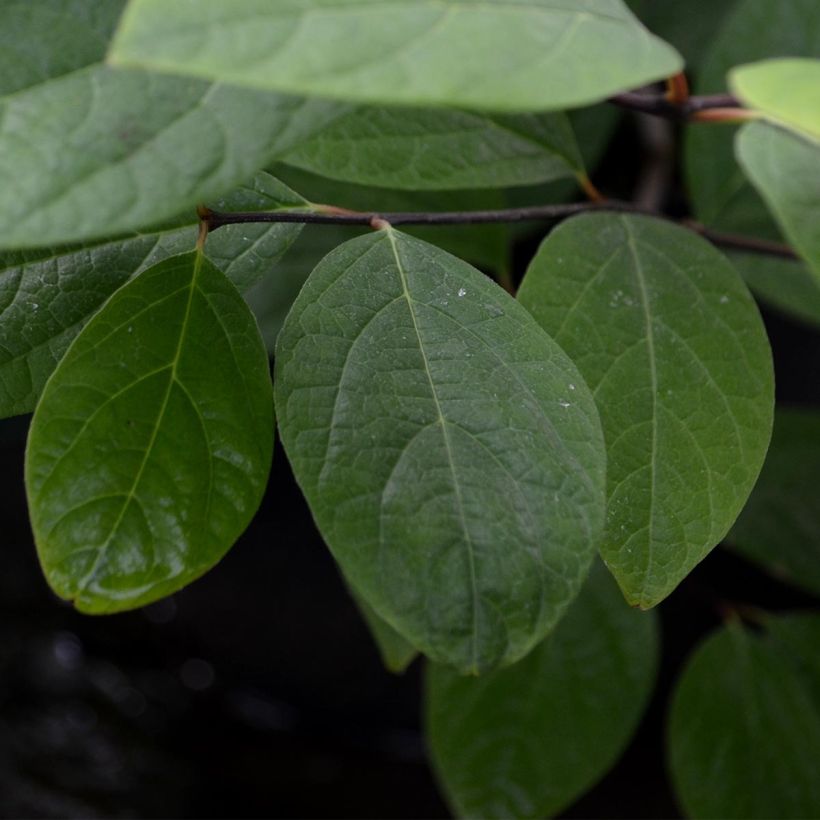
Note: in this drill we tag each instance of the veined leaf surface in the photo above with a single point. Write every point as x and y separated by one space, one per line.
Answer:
673 347
150 448
449 450
505 55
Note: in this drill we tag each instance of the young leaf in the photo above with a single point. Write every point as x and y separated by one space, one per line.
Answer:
671 343
449 450
527 740
397 654
780 526
484 54
421 149
150 448
753 30
744 734
787 91
48 294
785 169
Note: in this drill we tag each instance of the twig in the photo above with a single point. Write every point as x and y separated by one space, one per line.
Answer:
675 108
331 215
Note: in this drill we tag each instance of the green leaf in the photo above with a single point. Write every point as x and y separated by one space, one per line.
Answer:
48 294
396 653
507 55
786 286
785 169
786 91
439 149
798 635
526 741
780 526
752 31
87 152
150 448
670 341
449 450
744 735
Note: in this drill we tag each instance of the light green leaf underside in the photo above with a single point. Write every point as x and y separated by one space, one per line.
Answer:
787 91
527 740
440 150
780 526
450 452
48 294
785 169
787 286
507 55
721 196
150 448
672 346
744 736
88 152
396 653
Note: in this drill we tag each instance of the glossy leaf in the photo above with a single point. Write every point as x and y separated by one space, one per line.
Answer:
672 346
780 526
744 735
449 450
88 152
150 448
752 31
782 284
48 294
431 149
505 55
396 653
787 91
528 740
785 169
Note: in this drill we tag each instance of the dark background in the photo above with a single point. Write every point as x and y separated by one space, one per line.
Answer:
257 691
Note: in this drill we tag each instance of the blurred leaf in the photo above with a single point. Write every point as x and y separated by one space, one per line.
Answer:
786 91
744 734
780 526
527 740
434 149
150 448
48 294
670 341
505 56
785 169
430 424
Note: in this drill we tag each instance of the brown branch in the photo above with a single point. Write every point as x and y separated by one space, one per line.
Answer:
332 215
680 110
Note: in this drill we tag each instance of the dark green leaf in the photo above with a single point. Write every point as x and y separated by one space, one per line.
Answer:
396 653
48 294
671 343
450 452
780 526
797 634
527 740
150 448
785 169
744 735
506 55
419 149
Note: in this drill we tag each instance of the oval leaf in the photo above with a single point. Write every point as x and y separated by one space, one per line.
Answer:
48 294
450 452
439 150
502 55
780 526
744 734
787 91
527 740
785 169
671 343
149 451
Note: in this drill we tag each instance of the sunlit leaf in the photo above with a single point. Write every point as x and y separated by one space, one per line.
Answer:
150 448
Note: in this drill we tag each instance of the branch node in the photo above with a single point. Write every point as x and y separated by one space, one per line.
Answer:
379 224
